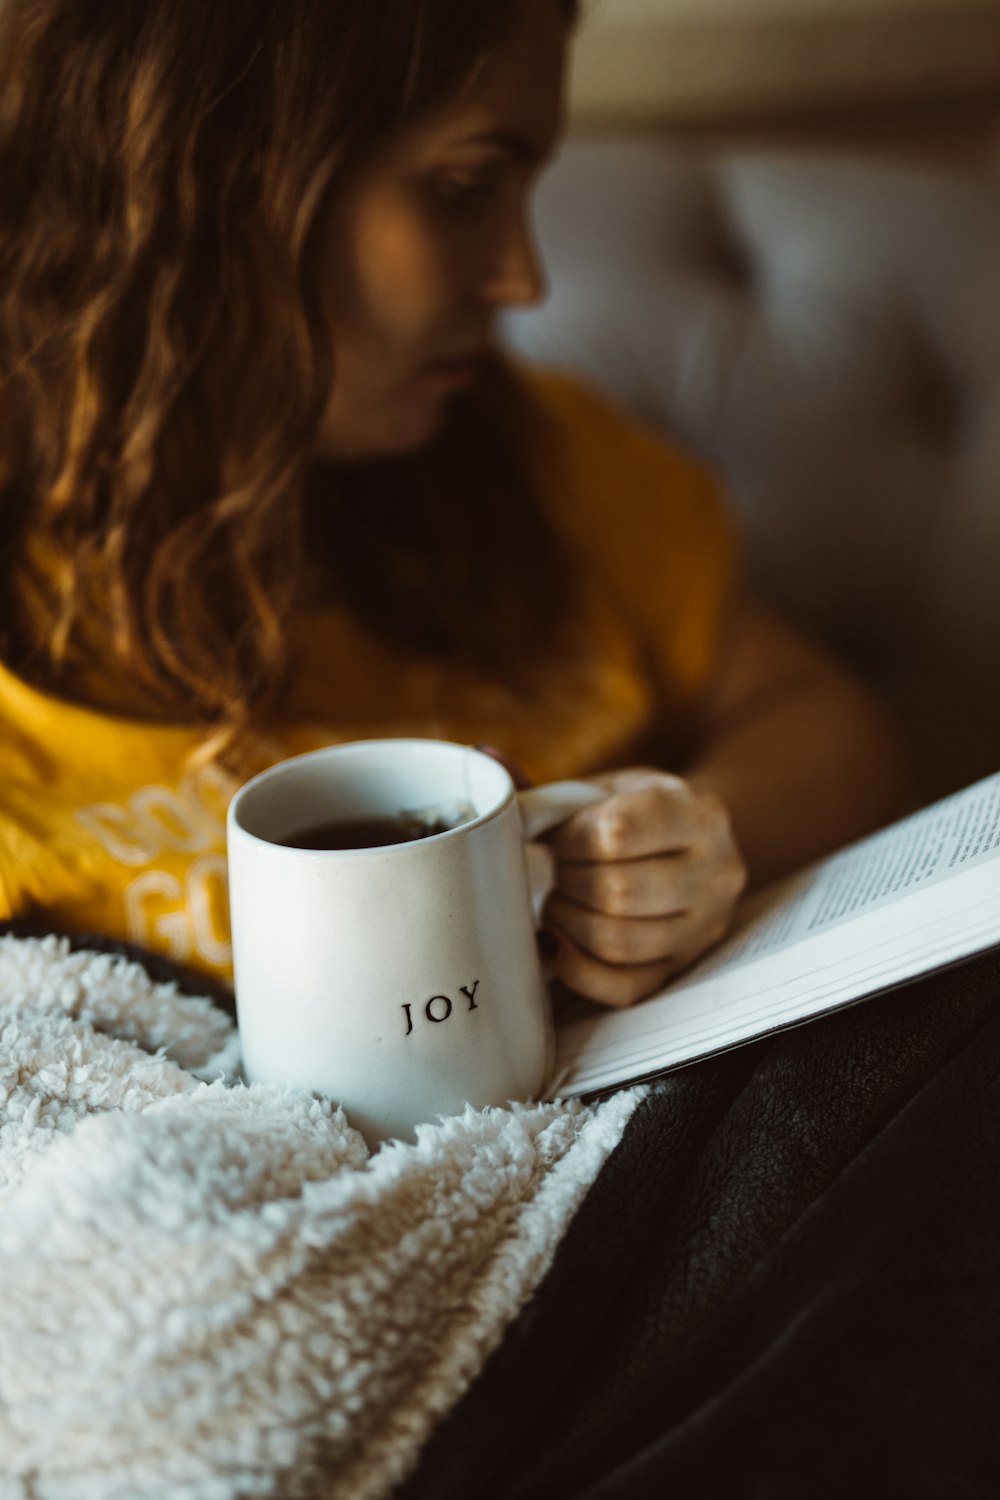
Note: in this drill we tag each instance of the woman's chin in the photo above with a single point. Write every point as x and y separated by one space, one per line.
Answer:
399 433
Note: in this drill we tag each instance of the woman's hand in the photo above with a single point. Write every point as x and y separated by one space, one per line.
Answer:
646 881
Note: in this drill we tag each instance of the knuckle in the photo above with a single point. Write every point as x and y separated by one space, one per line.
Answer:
613 831
618 948
677 788
615 890
662 791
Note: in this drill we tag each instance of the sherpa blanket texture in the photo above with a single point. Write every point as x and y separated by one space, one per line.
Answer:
209 1290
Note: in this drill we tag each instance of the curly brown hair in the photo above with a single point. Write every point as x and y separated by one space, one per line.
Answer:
163 357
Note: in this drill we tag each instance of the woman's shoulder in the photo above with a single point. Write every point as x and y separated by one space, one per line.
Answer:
570 405
643 515
580 441
607 477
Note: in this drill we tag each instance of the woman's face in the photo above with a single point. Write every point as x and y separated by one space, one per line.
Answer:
432 240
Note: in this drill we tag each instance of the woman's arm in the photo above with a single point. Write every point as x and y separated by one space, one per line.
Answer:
796 760
797 750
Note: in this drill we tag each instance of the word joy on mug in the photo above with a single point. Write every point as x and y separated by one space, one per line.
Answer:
439 1007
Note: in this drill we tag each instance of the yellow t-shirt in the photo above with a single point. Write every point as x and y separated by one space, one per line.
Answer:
107 824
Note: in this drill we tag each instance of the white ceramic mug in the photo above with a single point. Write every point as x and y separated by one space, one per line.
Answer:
403 980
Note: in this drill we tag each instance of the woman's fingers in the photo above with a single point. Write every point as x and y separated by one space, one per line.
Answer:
649 887
609 985
618 940
645 813
677 936
646 881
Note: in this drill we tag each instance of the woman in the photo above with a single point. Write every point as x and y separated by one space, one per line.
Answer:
267 484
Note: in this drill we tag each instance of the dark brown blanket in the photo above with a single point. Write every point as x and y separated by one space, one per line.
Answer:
784 1284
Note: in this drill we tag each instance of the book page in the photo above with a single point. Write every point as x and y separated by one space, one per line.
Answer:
790 960
918 851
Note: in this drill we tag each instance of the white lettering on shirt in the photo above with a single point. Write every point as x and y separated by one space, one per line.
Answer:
185 917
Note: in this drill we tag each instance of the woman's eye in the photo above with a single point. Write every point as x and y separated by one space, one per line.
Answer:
456 192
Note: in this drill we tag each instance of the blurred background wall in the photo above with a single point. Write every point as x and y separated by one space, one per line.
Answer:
775 235
916 76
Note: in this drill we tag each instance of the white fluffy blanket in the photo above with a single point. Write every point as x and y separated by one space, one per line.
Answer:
210 1291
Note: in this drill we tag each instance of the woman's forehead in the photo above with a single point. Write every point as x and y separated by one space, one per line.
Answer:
515 100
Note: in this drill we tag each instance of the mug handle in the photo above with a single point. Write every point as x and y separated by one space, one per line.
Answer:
543 808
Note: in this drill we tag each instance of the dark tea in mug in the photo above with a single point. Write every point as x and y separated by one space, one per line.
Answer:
364 833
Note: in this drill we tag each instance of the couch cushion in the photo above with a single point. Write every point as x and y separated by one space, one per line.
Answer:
827 331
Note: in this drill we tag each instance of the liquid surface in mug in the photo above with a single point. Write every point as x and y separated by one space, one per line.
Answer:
363 833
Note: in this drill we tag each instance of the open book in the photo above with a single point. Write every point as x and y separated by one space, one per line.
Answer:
916 896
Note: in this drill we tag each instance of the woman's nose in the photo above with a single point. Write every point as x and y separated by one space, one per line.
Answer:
516 277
